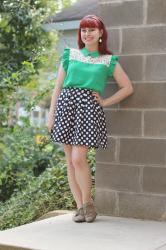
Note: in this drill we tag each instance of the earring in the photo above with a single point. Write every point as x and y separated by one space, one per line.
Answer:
100 40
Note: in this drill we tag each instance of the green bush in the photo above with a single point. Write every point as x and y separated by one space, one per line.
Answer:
44 193
24 151
49 191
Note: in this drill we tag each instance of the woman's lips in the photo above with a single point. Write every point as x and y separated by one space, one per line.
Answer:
88 39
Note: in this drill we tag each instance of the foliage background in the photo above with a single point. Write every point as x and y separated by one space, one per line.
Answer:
33 178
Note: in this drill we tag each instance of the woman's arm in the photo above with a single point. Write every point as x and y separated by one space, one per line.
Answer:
58 86
125 86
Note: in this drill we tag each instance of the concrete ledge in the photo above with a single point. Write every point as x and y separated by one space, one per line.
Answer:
53 214
105 233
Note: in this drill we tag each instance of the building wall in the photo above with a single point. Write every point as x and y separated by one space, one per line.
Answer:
67 38
131 173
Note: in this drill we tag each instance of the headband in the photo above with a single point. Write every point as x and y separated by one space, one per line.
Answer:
94 17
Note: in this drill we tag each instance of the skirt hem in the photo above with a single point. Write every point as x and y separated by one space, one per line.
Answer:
81 144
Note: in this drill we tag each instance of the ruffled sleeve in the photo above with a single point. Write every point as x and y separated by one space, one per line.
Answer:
113 62
65 58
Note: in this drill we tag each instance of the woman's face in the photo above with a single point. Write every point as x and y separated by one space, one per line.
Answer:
90 36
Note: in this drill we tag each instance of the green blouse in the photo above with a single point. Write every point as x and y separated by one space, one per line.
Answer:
85 69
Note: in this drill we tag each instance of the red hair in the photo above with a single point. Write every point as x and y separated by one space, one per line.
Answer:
93 21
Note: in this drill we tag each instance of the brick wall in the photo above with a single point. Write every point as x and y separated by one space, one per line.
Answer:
131 173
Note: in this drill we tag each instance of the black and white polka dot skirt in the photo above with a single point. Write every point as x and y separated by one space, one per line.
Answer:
79 119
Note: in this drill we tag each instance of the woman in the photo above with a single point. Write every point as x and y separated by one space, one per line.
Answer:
76 117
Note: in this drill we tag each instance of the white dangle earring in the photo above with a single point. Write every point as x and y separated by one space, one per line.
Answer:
100 40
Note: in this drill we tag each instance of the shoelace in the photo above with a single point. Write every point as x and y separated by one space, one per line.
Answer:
90 210
79 211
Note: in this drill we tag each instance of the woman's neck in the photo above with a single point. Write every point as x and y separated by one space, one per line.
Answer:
92 48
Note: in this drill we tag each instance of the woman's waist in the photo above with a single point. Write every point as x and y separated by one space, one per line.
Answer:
76 89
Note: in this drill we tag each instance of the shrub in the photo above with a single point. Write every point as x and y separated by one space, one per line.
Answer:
49 191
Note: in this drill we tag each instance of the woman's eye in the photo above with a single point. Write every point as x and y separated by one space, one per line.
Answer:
90 30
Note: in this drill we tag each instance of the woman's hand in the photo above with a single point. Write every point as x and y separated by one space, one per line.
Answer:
99 99
50 122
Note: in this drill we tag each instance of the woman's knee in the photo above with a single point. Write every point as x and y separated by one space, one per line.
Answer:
78 156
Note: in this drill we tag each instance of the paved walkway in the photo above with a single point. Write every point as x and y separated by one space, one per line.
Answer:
106 233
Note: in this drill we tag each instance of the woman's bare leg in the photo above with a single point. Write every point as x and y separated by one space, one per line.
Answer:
74 187
82 171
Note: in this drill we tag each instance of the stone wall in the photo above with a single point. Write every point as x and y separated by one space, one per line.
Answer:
131 173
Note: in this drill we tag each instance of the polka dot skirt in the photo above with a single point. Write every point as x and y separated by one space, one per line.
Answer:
79 119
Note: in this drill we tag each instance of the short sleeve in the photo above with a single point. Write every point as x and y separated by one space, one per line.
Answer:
113 62
65 58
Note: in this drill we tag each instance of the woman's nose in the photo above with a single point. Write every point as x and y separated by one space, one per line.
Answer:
87 32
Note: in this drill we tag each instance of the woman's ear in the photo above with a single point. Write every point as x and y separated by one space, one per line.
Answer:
101 32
